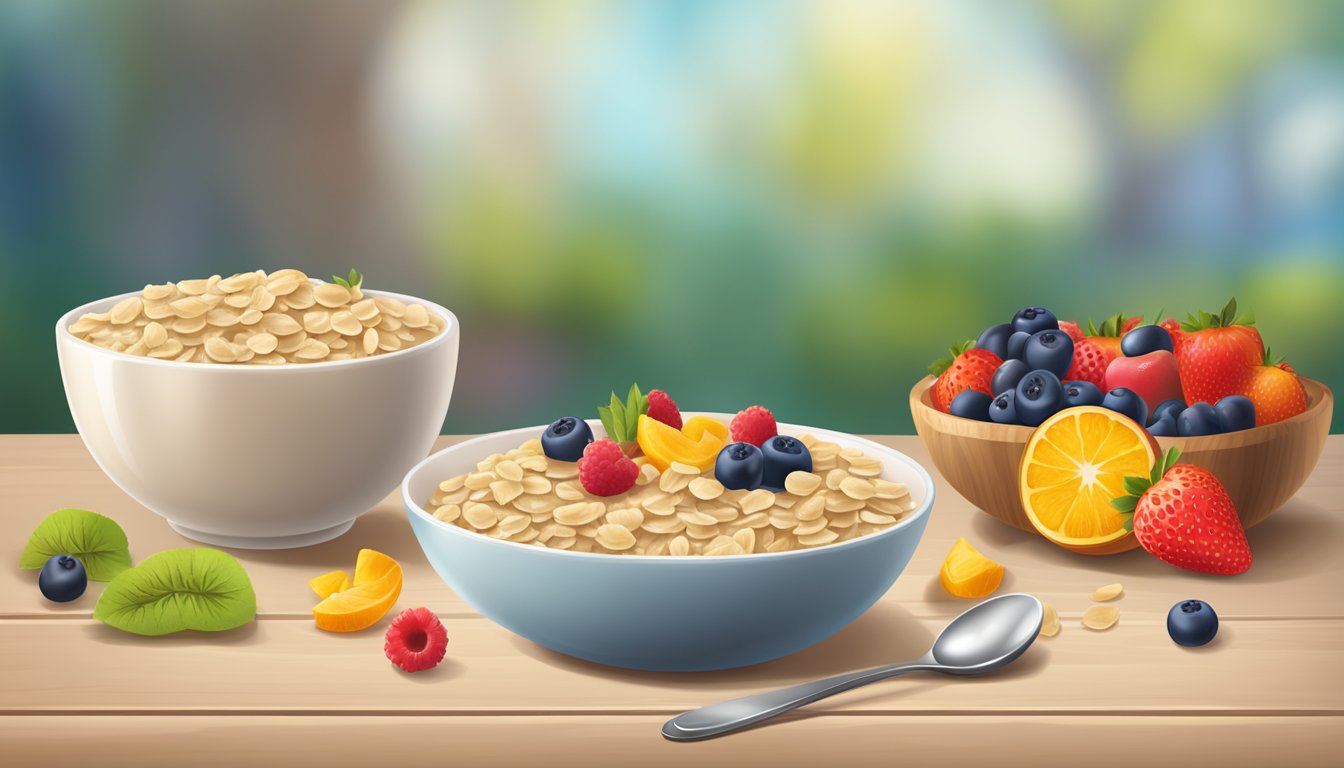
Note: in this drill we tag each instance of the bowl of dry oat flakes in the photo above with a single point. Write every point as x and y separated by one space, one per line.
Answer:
260 410
673 564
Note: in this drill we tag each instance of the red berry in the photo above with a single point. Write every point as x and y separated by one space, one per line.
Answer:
1073 329
416 641
605 470
753 425
972 368
663 408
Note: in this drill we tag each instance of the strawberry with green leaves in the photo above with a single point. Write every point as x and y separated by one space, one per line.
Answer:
968 368
1183 516
1216 354
1095 348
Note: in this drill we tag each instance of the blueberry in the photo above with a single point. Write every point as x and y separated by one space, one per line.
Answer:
1145 339
1007 375
1039 396
1192 623
995 339
1199 419
1164 426
1050 350
971 404
739 467
1174 406
1004 408
1034 319
1128 402
783 454
1081 393
1016 343
62 579
566 438
1237 413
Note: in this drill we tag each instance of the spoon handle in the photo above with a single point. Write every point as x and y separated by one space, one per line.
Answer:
734 714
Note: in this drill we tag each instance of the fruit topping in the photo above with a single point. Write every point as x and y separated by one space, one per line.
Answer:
968 368
1237 413
967 573
755 425
1275 390
1192 623
1199 419
566 438
1217 354
663 445
1164 426
1033 319
696 427
1039 396
1183 516
605 470
62 579
1074 464
373 592
783 454
330 583
621 418
1003 410
995 339
1173 406
1153 376
663 408
1081 393
1145 339
739 467
1096 349
1007 375
416 640
1128 402
972 404
1050 350
1016 343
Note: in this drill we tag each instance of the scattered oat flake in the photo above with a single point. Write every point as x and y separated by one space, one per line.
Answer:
1108 592
1101 617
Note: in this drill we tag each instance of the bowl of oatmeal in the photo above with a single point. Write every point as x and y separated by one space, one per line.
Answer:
678 573
262 411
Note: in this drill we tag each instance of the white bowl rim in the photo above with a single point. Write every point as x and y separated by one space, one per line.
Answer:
450 324
793 429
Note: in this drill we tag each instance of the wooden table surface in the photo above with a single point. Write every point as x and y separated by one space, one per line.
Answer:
1269 690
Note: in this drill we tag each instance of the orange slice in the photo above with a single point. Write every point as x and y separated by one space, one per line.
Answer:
967 573
696 427
330 583
663 445
375 589
1074 464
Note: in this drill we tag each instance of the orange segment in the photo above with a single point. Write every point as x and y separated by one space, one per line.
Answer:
696 427
1074 464
330 583
967 573
663 445
372 565
361 603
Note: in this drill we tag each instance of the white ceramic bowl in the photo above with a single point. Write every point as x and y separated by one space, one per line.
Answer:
666 613
258 457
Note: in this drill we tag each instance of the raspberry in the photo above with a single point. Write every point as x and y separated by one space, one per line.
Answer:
605 470
663 408
754 425
416 641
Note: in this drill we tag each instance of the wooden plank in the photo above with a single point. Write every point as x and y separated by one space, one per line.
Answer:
1296 559
583 741
290 666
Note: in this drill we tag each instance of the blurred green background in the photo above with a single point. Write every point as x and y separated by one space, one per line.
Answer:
798 204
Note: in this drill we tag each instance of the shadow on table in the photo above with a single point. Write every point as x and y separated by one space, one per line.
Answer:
382 529
243 636
887 633
1295 539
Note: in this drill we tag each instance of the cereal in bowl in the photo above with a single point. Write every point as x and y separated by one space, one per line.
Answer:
259 319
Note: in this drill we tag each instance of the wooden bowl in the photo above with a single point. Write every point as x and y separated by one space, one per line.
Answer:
1261 468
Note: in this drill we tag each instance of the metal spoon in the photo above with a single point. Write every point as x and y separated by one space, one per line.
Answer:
980 640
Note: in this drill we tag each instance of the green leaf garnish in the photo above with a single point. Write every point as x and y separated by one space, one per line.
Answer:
1228 316
942 364
98 542
202 589
1136 486
353 280
621 418
1111 326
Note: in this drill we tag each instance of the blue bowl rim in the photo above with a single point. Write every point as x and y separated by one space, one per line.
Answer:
922 510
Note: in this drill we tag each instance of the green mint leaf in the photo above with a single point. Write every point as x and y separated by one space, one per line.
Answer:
337 279
355 279
97 541
618 418
202 589
632 406
608 420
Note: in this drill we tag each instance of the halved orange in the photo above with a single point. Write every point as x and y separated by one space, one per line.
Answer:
1074 464
375 589
967 573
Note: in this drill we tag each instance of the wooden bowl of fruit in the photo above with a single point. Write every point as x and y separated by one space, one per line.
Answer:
1278 420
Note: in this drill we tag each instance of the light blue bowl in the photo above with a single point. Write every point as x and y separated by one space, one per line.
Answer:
665 613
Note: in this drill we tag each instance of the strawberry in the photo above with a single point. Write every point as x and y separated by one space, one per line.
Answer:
1276 391
968 368
1216 354
1094 351
1071 328
1183 516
